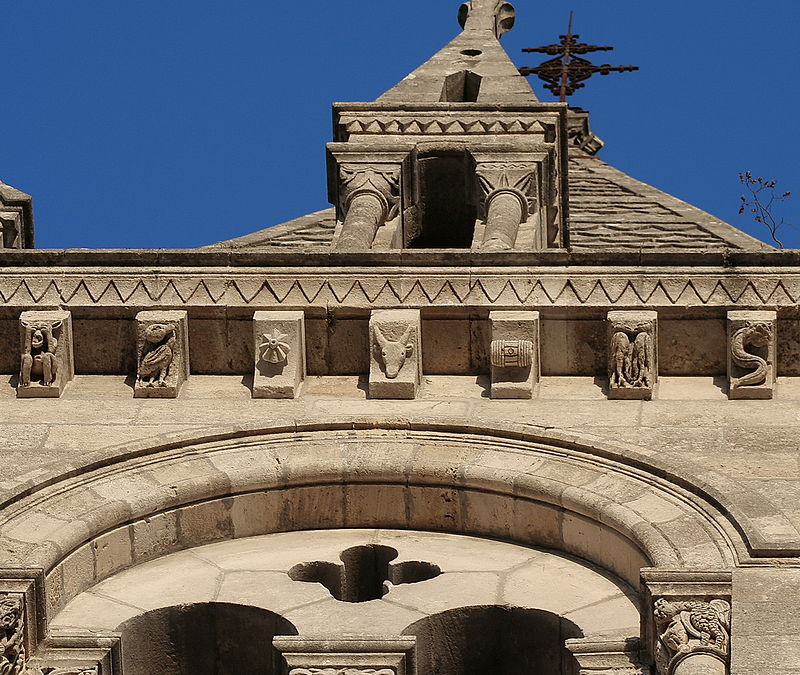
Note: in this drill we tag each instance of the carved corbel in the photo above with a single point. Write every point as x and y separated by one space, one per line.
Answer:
514 354
280 354
751 354
369 196
510 195
632 354
46 362
162 353
395 353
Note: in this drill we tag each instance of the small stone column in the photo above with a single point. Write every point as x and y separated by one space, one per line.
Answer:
368 196
632 354
514 354
365 214
509 187
395 363
47 362
700 663
162 353
752 339
506 210
280 354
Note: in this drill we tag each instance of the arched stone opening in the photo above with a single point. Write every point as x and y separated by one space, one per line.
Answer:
597 503
493 639
203 639
500 598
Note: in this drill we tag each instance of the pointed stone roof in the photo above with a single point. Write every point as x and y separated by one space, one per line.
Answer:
475 50
608 210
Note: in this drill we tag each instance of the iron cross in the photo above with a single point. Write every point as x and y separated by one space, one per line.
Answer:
566 72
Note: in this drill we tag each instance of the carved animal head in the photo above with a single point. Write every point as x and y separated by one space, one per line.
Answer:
664 610
394 353
40 332
759 334
156 332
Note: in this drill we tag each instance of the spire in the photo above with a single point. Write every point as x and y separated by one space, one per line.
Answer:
487 15
473 67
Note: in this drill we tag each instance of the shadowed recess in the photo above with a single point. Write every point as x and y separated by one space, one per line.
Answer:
365 573
493 639
203 639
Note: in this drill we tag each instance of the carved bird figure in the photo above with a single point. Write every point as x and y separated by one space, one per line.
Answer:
157 354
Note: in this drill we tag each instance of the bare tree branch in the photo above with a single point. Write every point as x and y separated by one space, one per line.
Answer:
762 202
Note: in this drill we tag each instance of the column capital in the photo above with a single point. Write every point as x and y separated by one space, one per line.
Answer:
688 620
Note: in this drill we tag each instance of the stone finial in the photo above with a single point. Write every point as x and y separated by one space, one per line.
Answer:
47 363
162 353
395 353
514 354
751 354
487 15
280 354
632 354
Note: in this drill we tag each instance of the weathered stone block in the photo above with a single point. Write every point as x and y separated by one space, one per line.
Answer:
280 354
632 354
395 369
379 655
47 362
752 340
514 354
162 353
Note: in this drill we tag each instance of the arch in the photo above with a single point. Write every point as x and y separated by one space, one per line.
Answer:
609 504
203 639
494 639
261 572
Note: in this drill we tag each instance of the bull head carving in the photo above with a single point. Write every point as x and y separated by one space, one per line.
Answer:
394 353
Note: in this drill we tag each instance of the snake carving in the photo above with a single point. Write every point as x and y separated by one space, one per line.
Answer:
755 334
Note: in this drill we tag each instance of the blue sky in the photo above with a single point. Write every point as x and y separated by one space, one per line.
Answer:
181 123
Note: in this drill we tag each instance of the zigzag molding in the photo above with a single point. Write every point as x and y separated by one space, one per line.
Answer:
427 125
401 290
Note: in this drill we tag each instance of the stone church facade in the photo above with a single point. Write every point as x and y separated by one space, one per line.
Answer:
502 409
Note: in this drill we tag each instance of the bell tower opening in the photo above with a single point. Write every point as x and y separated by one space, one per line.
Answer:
445 206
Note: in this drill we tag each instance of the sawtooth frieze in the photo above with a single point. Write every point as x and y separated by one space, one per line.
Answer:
435 125
400 290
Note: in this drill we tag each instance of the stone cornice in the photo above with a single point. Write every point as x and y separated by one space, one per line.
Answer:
149 284
732 261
